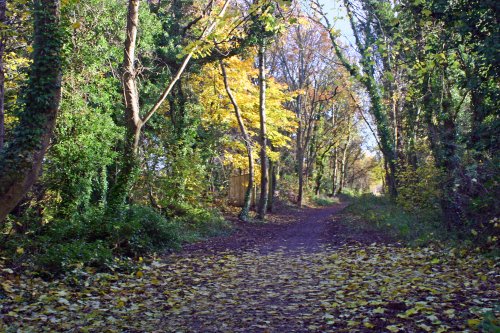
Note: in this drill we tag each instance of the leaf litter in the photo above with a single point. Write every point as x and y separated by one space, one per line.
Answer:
353 287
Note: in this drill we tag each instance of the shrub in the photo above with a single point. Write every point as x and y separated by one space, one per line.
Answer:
65 256
144 230
198 223
89 239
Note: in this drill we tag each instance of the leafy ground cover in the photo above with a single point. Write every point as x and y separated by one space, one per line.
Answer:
309 275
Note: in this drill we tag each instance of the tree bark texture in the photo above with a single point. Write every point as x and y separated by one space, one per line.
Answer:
3 9
133 123
21 159
264 180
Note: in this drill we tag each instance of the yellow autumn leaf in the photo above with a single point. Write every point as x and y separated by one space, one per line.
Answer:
473 323
368 325
7 286
392 328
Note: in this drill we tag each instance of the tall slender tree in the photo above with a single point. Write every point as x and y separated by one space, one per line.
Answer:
248 144
264 162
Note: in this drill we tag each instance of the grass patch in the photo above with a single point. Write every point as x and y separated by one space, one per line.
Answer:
322 201
380 213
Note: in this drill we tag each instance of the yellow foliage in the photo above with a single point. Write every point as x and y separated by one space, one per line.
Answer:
242 76
14 77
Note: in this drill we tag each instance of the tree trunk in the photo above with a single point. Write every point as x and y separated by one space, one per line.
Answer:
342 169
334 173
248 144
300 152
319 175
272 185
129 164
443 144
3 8
21 159
300 171
386 140
264 180
129 169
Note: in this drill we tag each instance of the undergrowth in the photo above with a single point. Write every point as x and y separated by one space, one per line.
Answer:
90 241
322 200
416 229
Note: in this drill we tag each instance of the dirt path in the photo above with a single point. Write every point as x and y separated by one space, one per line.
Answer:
290 229
312 229
305 271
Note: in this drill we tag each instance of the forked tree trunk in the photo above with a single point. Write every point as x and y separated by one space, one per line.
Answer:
248 144
21 159
264 180
129 166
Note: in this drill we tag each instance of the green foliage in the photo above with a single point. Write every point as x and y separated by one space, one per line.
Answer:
67 256
419 189
75 175
143 231
490 323
89 240
415 228
199 223
324 201
75 171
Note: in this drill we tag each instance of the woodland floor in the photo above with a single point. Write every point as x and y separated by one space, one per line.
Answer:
304 271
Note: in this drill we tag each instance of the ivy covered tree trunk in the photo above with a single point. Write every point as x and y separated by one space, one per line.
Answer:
384 133
129 163
21 159
365 73
264 166
3 9
443 142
